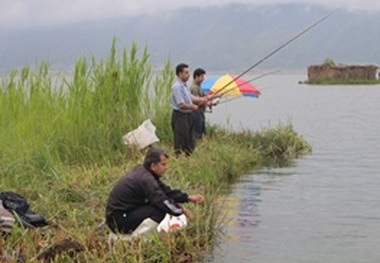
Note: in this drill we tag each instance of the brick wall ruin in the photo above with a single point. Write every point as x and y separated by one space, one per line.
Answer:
332 72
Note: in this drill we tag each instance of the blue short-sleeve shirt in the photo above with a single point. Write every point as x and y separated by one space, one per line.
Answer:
180 94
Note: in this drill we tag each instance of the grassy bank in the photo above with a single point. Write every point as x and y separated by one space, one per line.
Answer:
62 150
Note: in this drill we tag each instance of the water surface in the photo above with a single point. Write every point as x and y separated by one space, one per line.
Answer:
327 207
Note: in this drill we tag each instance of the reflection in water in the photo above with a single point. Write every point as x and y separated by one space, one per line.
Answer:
242 209
248 212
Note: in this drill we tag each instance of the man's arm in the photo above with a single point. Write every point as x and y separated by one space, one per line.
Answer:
175 194
188 213
200 100
182 197
158 198
179 196
185 106
197 199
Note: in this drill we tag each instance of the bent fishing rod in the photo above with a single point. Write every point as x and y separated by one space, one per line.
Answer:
279 48
248 81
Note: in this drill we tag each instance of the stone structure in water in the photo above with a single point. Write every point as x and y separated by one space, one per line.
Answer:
326 73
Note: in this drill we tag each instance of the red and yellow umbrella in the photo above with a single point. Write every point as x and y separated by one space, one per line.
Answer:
230 86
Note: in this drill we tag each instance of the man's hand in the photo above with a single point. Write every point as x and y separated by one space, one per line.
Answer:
194 107
196 199
188 213
204 101
211 97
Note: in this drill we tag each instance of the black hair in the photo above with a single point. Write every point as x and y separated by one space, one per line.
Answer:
153 155
180 67
198 72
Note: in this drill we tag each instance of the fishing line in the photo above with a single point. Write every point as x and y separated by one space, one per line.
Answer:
279 48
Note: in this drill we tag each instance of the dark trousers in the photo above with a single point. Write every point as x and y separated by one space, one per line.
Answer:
183 130
126 223
199 124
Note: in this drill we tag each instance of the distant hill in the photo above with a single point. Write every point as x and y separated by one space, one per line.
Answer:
216 38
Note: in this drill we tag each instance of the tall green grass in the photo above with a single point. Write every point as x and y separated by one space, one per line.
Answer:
48 118
61 148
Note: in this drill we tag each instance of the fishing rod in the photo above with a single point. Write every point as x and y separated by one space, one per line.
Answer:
279 48
216 99
231 99
238 97
249 81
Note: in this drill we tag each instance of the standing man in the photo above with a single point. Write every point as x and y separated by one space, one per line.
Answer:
199 115
184 104
140 194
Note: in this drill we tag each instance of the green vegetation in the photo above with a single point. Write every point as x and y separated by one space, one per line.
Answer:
343 82
329 62
61 148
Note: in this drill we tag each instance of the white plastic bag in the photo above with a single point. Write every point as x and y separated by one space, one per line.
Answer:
144 230
143 136
172 223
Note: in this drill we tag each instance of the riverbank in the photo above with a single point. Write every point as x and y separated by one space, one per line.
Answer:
73 197
62 150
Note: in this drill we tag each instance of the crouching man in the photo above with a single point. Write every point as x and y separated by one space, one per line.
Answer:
140 194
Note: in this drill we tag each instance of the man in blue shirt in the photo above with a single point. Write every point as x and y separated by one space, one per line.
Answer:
184 104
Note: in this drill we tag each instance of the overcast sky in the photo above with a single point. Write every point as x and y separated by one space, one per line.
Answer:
24 13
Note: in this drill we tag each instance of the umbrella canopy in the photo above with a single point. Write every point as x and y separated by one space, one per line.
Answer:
236 87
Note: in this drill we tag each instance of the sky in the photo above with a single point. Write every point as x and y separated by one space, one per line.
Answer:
29 13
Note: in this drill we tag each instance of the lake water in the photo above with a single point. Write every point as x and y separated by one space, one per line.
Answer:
327 207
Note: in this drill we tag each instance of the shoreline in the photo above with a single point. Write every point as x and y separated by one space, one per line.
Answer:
62 151
75 202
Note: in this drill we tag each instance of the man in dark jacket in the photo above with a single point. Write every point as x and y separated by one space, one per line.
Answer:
140 194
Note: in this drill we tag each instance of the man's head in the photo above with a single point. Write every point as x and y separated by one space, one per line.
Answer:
199 75
183 72
156 159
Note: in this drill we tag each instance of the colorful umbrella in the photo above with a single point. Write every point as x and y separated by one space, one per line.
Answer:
236 87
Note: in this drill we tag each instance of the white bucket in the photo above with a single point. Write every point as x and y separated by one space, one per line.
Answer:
143 136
